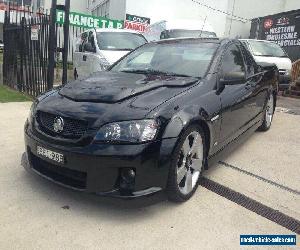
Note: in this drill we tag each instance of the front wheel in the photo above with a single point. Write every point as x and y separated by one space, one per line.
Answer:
269 112
187 165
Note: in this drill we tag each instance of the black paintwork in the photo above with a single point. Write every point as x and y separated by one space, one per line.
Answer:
225 112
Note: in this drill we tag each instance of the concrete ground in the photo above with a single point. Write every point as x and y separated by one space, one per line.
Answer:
36 214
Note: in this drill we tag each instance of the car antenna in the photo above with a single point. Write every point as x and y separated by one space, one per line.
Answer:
203 26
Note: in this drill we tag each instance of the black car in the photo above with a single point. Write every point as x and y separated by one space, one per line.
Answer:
153 122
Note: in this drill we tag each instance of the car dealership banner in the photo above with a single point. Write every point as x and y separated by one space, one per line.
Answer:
137 23
282 28
88 21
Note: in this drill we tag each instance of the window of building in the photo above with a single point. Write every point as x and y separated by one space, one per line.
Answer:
102 9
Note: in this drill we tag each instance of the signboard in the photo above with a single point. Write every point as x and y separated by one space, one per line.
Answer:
88 21
138 19
282 28
137 23
34 33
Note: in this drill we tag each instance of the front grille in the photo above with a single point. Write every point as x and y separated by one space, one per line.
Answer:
66 176
73 129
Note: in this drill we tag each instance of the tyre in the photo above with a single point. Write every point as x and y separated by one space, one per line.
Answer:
269 113
187 165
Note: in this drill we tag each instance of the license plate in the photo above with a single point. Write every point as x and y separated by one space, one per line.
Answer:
49 154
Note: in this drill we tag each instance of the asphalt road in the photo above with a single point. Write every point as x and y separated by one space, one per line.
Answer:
36 214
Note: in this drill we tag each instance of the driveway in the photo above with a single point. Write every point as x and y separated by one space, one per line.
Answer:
36 214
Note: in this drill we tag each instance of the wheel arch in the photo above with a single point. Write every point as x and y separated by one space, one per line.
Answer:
207 135
178 126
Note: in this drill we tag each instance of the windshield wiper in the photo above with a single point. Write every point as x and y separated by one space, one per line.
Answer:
175 74
154 72
142 71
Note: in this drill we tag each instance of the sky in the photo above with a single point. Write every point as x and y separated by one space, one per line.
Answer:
159 10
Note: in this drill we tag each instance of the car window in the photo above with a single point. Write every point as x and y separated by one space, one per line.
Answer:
119 40
189 58
232 60
80 40
251 65
144 58
261 48
86 42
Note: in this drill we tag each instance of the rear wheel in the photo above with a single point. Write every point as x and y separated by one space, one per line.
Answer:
269 112
187 165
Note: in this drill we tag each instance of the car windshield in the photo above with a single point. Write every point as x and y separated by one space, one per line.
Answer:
260 48
176 33
119 40
180 58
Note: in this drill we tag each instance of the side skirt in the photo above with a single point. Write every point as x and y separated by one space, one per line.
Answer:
213 159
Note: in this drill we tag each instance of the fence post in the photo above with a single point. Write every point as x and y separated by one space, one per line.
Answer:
22 41
51 46
66 42
4 61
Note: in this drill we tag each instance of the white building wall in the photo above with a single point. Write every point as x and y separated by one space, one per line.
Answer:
117 8
252 9
75 5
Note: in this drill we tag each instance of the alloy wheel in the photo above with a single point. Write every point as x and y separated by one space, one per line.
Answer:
189 163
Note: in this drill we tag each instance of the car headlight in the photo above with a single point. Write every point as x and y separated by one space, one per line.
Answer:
128 131
288 72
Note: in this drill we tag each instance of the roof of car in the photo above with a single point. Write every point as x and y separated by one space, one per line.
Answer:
257 40
196 39
117 30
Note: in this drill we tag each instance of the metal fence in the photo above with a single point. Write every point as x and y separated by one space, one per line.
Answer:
25 58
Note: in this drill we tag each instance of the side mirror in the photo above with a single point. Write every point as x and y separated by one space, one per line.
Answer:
89 48
232 78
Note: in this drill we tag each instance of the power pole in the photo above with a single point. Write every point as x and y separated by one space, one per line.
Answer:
231 18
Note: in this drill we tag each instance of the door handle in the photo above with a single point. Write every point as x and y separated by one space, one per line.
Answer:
84 58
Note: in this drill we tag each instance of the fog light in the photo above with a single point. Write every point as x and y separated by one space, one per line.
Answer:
127 179
128 175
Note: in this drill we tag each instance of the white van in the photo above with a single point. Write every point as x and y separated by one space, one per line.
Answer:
270 52
176 28
97 49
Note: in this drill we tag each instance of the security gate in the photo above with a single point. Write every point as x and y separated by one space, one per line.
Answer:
25 58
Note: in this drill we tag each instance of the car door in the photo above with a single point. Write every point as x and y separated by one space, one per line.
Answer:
236 96
79 62
255 80
86 60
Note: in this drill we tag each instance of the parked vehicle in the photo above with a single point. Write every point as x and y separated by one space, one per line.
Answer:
154 121
270 52
179 28
97 49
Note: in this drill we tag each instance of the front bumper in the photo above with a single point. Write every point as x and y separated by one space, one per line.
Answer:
96 168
